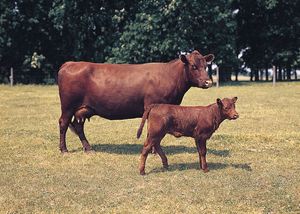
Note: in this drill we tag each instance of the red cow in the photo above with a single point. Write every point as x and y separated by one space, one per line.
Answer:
123 91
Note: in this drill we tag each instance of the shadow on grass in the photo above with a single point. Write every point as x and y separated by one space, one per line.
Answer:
195 165
132 149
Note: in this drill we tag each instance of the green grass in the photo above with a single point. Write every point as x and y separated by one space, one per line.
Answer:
254 161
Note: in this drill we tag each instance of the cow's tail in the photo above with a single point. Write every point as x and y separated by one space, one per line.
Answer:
145 117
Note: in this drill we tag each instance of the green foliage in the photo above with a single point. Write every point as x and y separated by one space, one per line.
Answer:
269 29
149 36
145 31
27 29
161 29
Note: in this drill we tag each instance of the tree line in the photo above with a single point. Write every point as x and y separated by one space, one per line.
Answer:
37 36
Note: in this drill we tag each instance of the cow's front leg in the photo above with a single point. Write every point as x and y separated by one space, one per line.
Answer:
64 122
201 147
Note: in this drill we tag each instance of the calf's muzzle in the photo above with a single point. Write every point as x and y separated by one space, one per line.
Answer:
236 116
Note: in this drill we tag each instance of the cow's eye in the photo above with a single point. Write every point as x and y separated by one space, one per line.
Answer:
194 67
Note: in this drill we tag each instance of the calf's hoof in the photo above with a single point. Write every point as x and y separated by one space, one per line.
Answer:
166 166
64 151
206 170
89 151
142 173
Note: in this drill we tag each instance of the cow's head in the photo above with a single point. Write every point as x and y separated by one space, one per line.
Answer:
195 65
227 108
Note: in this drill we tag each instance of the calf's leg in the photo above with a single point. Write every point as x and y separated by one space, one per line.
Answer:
147 103
201 147
162 155
145 151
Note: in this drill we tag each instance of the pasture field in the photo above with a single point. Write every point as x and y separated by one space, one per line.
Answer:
254 161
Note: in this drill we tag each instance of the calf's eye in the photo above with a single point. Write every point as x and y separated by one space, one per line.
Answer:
194 67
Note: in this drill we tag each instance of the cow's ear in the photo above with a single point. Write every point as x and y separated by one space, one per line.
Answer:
219 102
209 58
184 59
234 99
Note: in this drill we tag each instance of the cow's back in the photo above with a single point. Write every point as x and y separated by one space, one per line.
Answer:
114 91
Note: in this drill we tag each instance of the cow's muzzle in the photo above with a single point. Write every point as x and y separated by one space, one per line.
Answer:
208 83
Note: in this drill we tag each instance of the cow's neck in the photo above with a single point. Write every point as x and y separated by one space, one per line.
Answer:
218 118
182 85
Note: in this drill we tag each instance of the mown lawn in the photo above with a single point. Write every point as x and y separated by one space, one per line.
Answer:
254 161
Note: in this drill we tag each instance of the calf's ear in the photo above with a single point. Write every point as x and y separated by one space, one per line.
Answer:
219 102
184 59
209 58
234 99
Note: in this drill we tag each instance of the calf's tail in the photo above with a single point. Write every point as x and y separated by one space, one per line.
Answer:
145 116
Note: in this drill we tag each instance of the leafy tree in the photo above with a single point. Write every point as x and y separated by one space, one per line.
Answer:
267 32
8 23
161 29
87 29
125 31
26 29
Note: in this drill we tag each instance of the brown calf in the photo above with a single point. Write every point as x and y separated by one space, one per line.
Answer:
199 122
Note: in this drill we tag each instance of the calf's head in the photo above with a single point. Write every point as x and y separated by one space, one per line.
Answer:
195 66
227 108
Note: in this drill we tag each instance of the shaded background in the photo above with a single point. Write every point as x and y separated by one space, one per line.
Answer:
247 37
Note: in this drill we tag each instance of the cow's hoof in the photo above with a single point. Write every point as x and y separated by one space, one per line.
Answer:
206 170
142 173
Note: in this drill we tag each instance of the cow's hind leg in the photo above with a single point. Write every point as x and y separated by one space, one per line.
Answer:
64 122
79 130
78 124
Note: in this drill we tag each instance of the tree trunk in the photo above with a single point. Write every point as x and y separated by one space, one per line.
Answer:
288 73
210 71
267 74
279 73
225 73
236 74
261 74
295 74
283 74
256 74
251 74
275 74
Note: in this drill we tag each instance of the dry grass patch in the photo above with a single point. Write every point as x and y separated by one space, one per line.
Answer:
254 161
